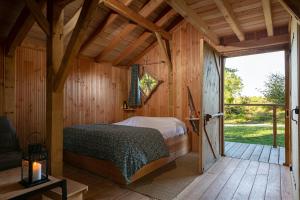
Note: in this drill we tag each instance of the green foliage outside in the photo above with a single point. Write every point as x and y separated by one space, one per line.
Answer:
147 84
243 116
253 134
274 89
233 85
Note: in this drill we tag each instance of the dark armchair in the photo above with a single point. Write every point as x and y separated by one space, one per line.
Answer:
10 154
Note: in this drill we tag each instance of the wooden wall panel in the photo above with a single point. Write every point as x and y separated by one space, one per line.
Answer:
94 92
185 47
1 81
30 93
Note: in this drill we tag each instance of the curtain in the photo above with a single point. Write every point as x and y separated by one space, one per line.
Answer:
134 99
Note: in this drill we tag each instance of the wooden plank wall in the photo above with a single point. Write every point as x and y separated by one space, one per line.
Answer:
30 92
185 47
1 81
93 92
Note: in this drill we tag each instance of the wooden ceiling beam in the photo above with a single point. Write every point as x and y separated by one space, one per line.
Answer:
108 21
131 48
292 7
38 15
135 17
143 37
174 23
62 3
70 25
145 12
228 14
194 19
115 41
88 9
254 43
20 29
266 4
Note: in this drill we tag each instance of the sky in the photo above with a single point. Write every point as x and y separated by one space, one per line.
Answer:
254 70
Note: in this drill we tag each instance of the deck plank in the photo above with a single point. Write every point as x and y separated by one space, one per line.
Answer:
230 145
281 155
215 188
233 149
233 182
240 151
260 182
273 191
244 189
265 154
274 156
247 154
256 153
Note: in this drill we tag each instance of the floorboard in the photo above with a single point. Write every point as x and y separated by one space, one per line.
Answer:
229 178
247 154
245 186
260 183
261 153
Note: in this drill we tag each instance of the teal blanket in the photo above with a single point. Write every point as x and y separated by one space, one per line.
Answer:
129 148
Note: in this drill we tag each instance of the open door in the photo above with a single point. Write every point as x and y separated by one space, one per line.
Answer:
295 85
209 144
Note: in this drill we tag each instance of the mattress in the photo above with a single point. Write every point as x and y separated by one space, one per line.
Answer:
167 126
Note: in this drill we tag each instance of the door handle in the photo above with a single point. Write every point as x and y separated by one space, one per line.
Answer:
296 110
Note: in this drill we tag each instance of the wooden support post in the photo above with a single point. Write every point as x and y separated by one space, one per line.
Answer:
54 100
287 134
274 126
165 50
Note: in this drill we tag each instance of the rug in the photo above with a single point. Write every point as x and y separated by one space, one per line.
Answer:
167 182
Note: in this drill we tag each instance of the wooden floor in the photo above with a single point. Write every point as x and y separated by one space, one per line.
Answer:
262 153
229 178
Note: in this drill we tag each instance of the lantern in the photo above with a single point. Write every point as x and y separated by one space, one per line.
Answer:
34 169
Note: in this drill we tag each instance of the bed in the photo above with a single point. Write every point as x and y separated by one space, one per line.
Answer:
127 150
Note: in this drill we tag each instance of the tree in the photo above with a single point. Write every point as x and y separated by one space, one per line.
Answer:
233 85
274 88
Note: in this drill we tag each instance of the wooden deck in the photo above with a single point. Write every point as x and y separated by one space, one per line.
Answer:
228 178
262 153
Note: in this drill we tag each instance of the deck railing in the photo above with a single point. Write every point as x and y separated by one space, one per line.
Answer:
274 115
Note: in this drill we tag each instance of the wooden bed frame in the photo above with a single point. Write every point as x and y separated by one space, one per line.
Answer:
178 146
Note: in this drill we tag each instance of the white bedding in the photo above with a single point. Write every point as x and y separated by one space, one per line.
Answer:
167 126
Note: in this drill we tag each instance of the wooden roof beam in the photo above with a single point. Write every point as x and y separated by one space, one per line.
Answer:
193 18
145 12
38 15
228 14
254 43
70 25
292 7
135 17
20 29
108 21
142 38
88 9
266 4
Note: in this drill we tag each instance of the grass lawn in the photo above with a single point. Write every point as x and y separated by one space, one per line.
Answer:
253 134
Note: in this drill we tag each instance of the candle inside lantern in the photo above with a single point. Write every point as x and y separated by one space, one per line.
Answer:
36 171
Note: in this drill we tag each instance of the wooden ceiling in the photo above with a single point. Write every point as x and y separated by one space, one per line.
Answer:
115 37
